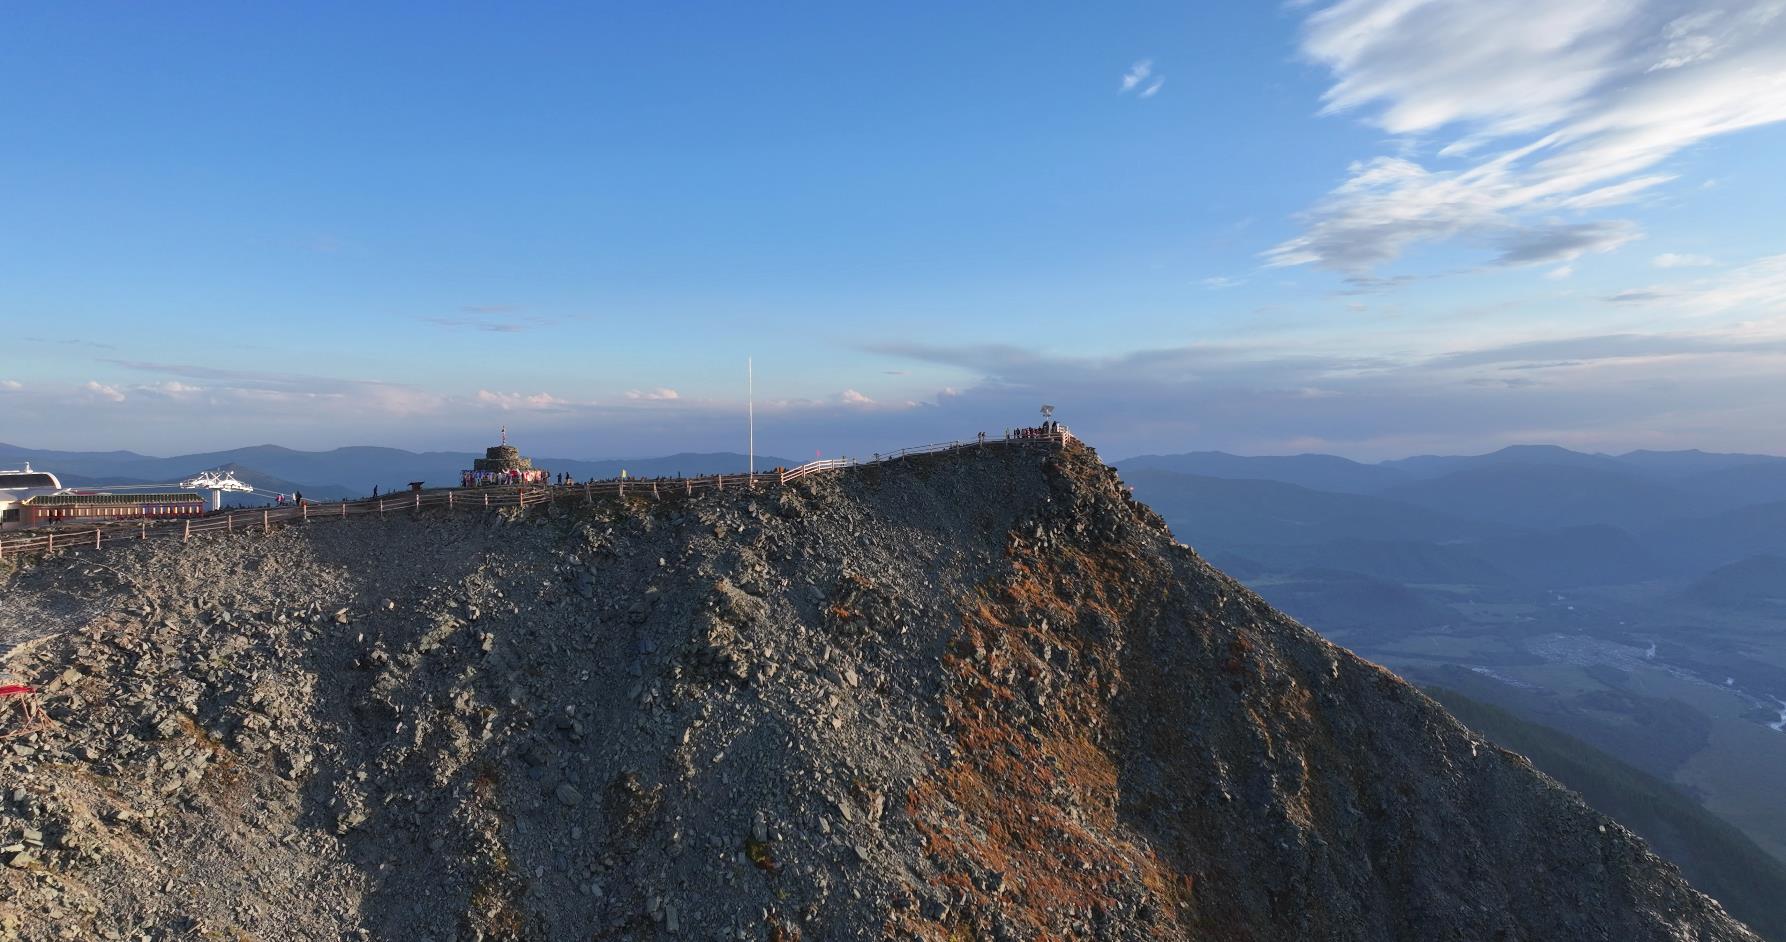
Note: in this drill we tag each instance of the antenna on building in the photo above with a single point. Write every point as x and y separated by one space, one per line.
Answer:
750 401
1047 412
505 434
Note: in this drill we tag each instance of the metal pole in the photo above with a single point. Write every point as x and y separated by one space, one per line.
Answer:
750 398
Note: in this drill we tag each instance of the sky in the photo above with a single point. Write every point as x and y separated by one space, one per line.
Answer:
1371 228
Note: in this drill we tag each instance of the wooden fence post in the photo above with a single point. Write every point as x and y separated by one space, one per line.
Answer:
49 545
486 500
229 523
184 537
722 481
143 533
450 499
418 501
95 537
381 506
266 520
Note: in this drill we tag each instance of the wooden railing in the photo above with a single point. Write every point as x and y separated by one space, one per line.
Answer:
476 498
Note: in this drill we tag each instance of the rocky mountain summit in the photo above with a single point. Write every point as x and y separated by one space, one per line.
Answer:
974 696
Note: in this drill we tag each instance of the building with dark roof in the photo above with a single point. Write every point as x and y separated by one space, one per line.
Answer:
46 509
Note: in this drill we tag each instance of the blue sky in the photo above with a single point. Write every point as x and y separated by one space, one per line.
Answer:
1373 227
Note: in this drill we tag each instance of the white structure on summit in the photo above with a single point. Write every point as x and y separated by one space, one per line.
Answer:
22 484
216 482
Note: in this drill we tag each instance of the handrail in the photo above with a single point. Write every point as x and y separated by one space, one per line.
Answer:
477 498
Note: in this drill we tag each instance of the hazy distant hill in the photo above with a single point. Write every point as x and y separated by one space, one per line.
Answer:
1740 485
1548 495
1403 561
1723 538
1239 512
1695 462
1715 481
1513 455
1758 582
1713 854
1318 472
1572 556
1354 607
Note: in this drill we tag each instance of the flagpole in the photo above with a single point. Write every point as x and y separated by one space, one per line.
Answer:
750 380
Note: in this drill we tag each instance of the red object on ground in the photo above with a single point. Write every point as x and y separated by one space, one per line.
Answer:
16 689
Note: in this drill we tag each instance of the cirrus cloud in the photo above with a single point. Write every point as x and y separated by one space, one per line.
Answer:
1541 109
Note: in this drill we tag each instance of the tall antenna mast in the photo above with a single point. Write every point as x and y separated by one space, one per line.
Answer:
750 399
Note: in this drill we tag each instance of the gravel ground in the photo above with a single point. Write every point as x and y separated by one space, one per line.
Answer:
971 696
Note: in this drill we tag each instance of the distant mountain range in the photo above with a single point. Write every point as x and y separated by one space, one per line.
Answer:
1753 478
1543 513
342 471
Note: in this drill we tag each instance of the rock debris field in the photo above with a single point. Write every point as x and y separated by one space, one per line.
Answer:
973 696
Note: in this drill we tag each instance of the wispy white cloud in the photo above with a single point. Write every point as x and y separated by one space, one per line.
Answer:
1678 260
660 394
98 390
493 318
1136 74
1549 108
1153 87
10 385
1222 281
1758 288
363 397
169 389
854 398
513 401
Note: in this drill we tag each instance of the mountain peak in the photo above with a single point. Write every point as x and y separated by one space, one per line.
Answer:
981 694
